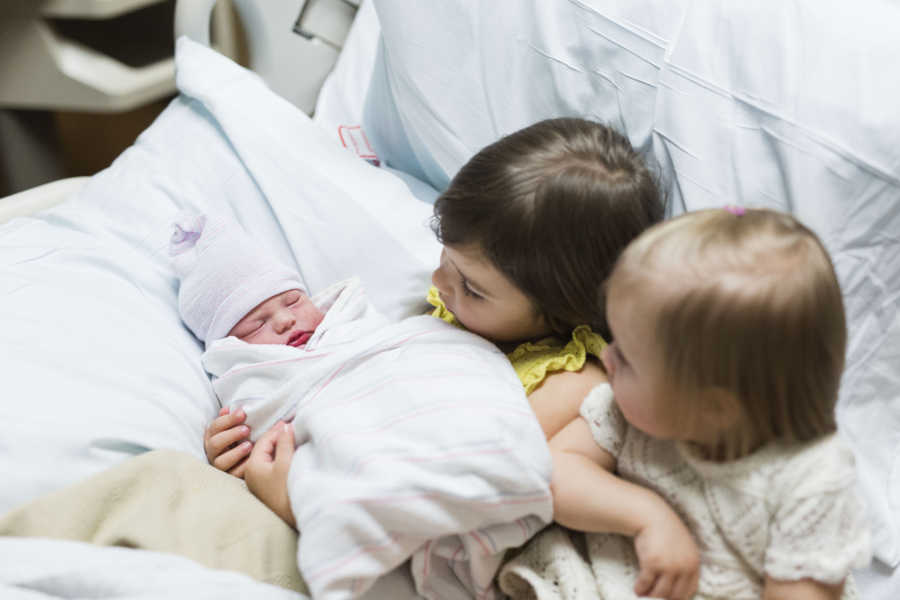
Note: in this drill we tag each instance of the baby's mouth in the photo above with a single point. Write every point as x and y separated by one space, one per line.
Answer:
300 338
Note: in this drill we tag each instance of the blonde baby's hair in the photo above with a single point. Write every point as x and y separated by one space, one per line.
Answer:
745 301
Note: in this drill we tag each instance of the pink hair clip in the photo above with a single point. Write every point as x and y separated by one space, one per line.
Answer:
735 210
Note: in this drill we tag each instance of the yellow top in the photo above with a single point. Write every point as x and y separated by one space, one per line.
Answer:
534 360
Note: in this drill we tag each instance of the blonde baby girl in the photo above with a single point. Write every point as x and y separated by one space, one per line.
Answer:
729 345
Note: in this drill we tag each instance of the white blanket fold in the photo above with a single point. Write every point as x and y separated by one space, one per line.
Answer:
416 441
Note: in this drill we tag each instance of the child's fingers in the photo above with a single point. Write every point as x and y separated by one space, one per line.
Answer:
258 456
681 588
265 445
695 582
691 583
273 431
662 588
284 450
239 469
644 582
224 411
286 439
226 421
222 441
227 460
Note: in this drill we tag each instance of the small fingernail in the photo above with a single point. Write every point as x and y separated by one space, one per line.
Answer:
286 427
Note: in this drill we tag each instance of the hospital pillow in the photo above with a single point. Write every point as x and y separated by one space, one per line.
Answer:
789 105
96 363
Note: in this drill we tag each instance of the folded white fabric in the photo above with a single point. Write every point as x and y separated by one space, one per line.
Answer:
416 441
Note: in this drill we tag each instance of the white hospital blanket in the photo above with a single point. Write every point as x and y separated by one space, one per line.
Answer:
416 440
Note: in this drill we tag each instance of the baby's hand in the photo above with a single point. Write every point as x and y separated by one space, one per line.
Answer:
267 470
669 559
226 442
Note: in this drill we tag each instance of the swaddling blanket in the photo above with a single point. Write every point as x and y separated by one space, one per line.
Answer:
415 440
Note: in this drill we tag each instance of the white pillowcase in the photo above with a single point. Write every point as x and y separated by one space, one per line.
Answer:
97 364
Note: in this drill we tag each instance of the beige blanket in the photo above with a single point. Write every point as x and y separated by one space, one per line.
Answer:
168 501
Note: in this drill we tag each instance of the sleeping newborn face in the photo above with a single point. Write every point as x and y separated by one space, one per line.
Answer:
287 318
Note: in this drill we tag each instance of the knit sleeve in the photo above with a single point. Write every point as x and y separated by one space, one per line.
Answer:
608 426
819 528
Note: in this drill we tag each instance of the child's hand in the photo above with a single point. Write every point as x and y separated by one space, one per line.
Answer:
267 470
226 442
669 559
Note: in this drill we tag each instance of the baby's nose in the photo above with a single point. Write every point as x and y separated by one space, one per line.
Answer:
284 321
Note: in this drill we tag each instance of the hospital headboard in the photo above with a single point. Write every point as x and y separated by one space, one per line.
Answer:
292 44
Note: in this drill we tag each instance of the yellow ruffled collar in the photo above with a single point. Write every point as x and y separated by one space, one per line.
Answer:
533 361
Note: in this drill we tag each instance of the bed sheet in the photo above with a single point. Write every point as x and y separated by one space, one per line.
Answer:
96 363
788 105
43 569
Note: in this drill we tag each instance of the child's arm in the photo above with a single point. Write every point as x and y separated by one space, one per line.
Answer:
267 470
587 496
557 401
805 589
226 442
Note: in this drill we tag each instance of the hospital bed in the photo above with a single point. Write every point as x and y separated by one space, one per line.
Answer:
789 105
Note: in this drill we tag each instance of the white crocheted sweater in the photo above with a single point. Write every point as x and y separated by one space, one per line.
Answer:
789 512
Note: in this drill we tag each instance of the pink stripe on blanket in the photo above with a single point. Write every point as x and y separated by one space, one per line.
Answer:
498 501
428 459
474 535
375 389
429 410
390 346
521 524
323 385
269 363
339 563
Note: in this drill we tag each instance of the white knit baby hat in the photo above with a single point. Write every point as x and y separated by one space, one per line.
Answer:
224 273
